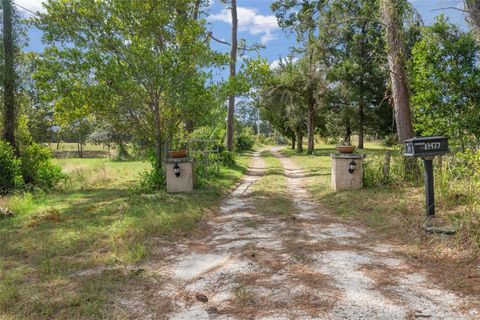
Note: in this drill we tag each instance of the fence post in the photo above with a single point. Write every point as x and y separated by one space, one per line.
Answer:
386 165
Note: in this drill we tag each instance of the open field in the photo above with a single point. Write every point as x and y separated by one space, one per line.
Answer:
54 250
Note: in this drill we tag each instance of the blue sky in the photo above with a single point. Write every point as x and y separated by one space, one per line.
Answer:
258 25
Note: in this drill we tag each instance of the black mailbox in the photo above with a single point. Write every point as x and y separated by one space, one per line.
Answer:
426 147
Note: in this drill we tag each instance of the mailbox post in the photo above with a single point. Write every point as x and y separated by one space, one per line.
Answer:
427 148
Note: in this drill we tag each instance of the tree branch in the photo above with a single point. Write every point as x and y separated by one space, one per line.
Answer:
210 36
452 8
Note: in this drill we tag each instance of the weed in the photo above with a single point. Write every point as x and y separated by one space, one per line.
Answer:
244 296
250 223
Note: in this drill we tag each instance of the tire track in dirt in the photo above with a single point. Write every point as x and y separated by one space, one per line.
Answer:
374 282
250 265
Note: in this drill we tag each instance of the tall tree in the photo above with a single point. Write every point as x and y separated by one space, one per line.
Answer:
473 8
233 71
354 51
143 60
391 13
445 82
8 75
302 16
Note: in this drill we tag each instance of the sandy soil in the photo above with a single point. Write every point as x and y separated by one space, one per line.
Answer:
247 265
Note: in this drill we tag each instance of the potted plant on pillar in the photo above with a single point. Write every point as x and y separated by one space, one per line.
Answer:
345 147
180 152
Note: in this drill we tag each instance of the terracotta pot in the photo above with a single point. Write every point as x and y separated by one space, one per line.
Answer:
346 149
178 154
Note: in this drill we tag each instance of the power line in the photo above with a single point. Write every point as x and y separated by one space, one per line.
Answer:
22 7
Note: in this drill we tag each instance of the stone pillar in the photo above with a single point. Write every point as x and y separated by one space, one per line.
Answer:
184 182
342 178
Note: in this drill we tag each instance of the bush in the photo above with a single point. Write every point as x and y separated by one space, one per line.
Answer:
264 139
245 140
391 140
227 158
149 181
332 140
10 173
38 169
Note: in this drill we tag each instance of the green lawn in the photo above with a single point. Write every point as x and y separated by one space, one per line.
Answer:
50 250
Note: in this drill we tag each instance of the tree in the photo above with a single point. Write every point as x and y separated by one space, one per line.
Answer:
354 51
302 16
445 79
391 14
143 60
233 66
282 103
473 8
8 74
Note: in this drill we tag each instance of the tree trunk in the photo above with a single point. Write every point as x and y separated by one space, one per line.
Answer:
79 146
348 133
196 9
9 76
396 63
299 140
233 62
311 129
473 8
293 141
158 136
361 118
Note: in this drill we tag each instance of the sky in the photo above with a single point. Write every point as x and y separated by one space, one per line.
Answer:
257 24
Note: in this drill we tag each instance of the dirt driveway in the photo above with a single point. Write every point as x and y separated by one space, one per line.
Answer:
309 266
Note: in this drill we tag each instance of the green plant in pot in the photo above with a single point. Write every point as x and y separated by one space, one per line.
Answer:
346 147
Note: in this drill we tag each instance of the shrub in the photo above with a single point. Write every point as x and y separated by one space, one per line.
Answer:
38 169
332 140
245 140
10 173
390 140
227 158
149 181
264 139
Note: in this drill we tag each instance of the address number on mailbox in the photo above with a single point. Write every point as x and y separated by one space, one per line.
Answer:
426 146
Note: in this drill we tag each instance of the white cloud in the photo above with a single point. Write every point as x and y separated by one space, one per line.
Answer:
32 5
276 63
249 20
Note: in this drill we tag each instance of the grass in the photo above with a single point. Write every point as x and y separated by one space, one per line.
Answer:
64 253
396 211
272 186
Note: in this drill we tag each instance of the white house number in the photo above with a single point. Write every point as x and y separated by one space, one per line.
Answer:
432 145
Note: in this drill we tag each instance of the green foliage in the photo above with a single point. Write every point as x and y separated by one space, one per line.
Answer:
466 164
145 74
378 172
227 158
10 172
265 140
391 140
38 169
445 79
23 135
149 181
245 140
